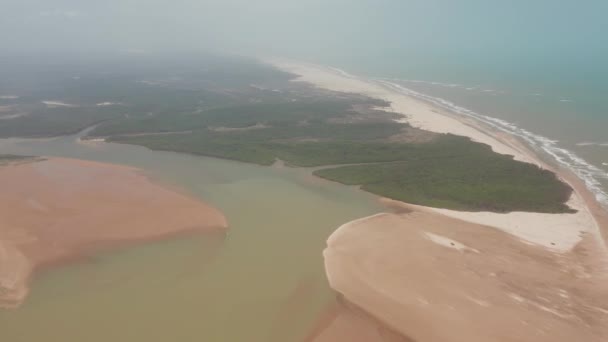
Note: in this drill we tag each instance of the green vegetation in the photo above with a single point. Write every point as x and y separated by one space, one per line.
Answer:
252 113
46 122
146 99
449 172
264 146
276 114
460 175
10 158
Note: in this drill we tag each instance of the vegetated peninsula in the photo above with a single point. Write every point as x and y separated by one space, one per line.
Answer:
55 210
247 111
426 273
260 116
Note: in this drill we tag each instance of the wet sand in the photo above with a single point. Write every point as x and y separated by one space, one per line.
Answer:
344 321
436 278
59 210
535 228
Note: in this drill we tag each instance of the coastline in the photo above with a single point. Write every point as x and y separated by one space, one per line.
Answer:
422 111
416 112
429 117
558 234
61 210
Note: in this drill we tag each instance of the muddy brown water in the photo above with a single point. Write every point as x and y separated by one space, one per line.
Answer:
263 281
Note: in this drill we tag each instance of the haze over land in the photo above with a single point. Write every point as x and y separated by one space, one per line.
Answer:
389 170
487 32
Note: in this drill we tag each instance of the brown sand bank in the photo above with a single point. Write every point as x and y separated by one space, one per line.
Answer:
61 209
435 278
344 321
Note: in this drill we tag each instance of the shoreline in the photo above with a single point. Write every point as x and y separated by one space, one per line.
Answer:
424 114
475 282
345 321
589 226
414 111
59 211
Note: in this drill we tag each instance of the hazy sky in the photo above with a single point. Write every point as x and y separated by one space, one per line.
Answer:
313 29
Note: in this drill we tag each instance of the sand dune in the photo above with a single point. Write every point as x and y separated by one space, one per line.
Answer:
61 209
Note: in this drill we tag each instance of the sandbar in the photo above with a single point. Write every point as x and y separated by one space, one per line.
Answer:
57 210
435 278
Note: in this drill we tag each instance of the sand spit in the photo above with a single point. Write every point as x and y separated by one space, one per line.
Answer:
467 282
558 232
58 210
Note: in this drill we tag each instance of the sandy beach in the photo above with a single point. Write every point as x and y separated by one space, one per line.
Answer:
361 266
434 278
58 210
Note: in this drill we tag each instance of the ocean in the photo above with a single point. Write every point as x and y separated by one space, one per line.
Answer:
559 110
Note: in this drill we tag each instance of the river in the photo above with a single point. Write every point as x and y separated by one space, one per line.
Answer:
263 281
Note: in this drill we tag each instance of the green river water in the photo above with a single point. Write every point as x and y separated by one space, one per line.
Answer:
263 281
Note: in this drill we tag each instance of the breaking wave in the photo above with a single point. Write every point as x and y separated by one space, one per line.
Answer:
591 143
590 174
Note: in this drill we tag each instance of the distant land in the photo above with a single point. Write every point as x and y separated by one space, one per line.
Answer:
254 113
493 227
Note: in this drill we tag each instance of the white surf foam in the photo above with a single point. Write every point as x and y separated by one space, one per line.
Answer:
57 104
591 143
340 72
103 104
435 83
588 173
446 85
12 116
